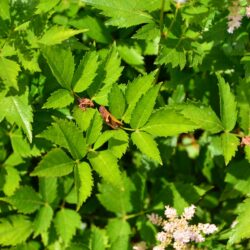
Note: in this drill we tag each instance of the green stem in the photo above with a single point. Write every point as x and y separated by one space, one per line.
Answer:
128 129
161 36
162 17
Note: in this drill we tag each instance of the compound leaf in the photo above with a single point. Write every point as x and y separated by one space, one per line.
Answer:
105 164
144 108
94 128
118 232
61 63
8 72
57 34
56 163
202 116
112 71
83 182
243 101
116 199
43 220
66 134
124 13
167 122
228 109
17 110
98 239
135 90
117 102
59 99
147 145
86 72
229 144
14 229
25 200
241 230
65 229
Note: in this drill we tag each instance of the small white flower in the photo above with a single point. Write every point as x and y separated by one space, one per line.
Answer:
170 212
140 246
207 228
196 237
169 227
161 236
180 1
248 11
155 219
235 222
182 236
189 212
159 247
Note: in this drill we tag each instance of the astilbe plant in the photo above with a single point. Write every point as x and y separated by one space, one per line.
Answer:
235 15
177 230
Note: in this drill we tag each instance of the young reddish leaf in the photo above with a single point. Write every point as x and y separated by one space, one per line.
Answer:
109 119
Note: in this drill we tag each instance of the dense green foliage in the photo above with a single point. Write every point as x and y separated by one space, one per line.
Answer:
176 91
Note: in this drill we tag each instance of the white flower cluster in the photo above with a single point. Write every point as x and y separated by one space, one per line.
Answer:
180 1
177 231
235 15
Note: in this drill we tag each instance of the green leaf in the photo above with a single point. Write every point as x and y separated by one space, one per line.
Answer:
131 55
230 143
66 134
14 230
11 181
98 239
46 5
43 220
167 122
247 152
117 141
117 199
8 72
135 90
117 102
107 135
48 188
147 145
61 63
180 195
144 107
97 30
65 229
56 163
5 9
25 200
105 164
112 71
241 230
18 111
148 31
118 145
228 109
83 182
57 34
202 116
85 72
113 67
118 232
124 13
94 128
243 101
21 145
238 175
173 54
83 118
59 99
